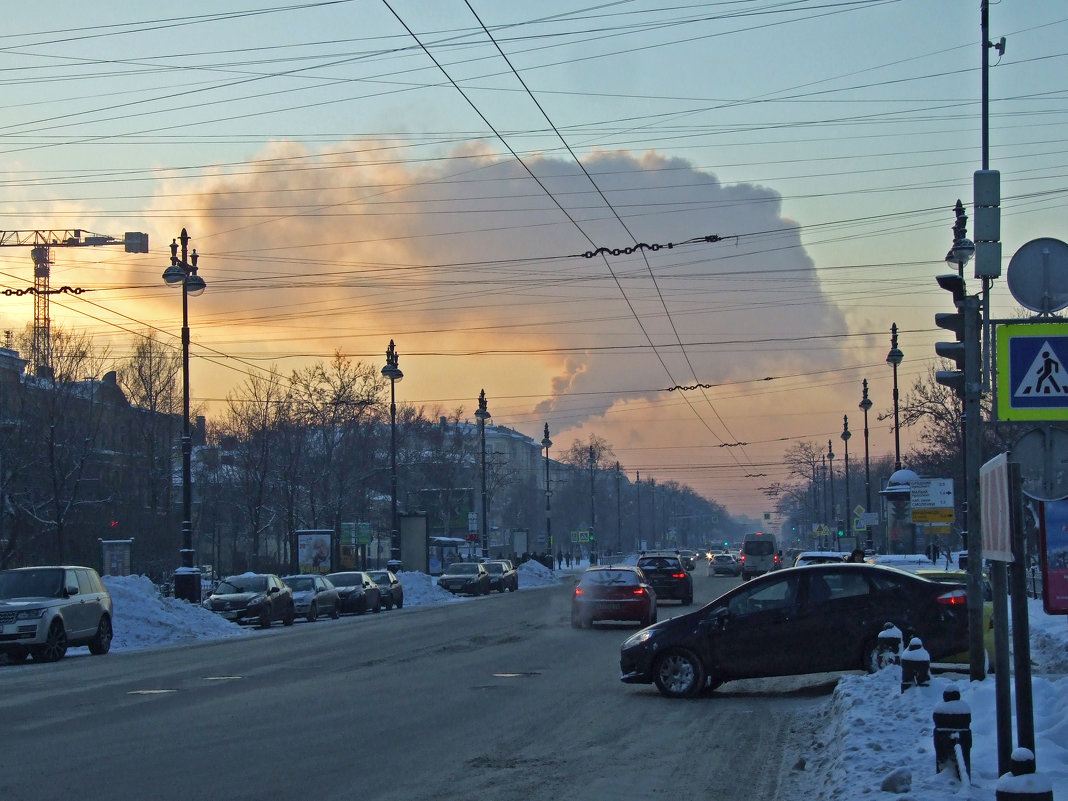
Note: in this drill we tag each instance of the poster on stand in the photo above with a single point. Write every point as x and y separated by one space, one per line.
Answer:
1053 549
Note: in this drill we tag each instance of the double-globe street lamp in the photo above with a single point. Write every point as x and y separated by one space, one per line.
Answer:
547 443
482 414
834 509
183 272
394 374
846 434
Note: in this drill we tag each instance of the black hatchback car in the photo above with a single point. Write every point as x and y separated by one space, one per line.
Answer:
667 574
814 619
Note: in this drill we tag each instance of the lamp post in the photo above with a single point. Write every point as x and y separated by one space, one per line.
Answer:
619 509
394 374
638 492
547 443
894 358
865 406
593 510
845 439
834 509
183 272
483 414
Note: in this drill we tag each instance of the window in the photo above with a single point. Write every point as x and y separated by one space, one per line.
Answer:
774 595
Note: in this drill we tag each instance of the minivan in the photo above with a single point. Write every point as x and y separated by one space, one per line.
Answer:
760 555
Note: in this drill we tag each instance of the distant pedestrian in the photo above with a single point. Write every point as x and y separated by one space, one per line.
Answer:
559 559
568 558
857 555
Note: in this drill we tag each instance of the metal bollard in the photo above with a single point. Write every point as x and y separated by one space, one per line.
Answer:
889 648
915 665
1023 783
952 727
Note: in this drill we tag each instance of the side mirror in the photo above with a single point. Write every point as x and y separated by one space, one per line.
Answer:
273 590
69 591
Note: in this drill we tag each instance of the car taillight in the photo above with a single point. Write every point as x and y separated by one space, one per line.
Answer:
742 558
640 591
678 575
578 590
953 598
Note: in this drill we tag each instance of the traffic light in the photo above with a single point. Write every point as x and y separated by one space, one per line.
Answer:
964 323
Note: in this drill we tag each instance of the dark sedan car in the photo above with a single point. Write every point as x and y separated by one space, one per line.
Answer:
613 593
260 598
813 619
668 576
356 591
469 578
502 575
390 587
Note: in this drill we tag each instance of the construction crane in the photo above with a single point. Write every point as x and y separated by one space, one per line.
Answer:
41 244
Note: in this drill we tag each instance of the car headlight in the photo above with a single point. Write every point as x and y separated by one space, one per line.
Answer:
638 639
29 614
256 600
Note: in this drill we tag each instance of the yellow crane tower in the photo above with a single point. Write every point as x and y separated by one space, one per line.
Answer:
41 244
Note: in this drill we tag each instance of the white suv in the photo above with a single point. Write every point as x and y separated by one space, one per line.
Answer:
45 610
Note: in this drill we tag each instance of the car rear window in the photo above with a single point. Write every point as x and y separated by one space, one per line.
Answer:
759 548
612 577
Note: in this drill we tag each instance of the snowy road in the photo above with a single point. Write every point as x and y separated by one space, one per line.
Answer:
495 698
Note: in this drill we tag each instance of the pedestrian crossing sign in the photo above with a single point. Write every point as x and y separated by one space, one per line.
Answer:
1032 371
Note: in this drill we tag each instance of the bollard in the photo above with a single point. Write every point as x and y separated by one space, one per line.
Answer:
952 727
889 647
915 665
1023 783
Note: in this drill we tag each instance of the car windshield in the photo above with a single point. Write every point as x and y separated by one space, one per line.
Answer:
611 577
464 568
492 567
345 579
236 584
44 583
301 584
380 578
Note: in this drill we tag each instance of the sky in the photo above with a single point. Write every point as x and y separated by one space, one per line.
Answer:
867 732
435 173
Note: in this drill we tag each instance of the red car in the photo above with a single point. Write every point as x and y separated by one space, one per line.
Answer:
613 592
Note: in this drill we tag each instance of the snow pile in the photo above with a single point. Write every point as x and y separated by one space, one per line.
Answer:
144 619
423 590
872 738
535 574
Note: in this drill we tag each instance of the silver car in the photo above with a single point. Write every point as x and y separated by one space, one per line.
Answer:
45 610
313 595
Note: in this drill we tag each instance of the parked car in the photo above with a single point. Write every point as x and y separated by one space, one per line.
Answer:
613 592
357 591
260 598
313 595
389 586
502 575
811 619
469 578
45 610
818 558
666 574
723 564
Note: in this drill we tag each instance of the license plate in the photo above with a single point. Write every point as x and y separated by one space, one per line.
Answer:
611 607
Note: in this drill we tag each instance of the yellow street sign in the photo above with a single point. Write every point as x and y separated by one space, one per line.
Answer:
932 515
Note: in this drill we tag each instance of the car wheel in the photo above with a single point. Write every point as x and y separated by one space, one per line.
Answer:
378 605
679 674
400 604
101 642
687 600
265 618
313 612
289 616
874 658
389 603
335 612
55 645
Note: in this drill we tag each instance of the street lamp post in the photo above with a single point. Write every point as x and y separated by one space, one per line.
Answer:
834 509
547 443
482 414
638 492
865 406
394 374
894 358
183 272
619 509
593 509
845 439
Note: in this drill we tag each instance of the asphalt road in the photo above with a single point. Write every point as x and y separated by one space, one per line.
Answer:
497 698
